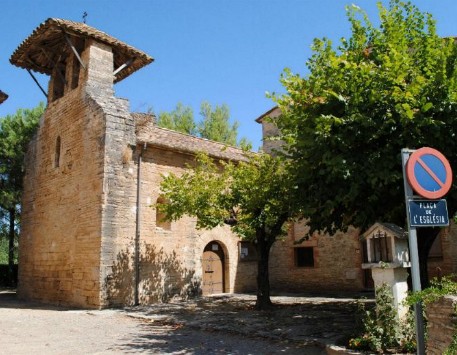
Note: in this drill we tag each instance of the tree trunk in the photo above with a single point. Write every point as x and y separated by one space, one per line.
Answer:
263 279
12 215
425 239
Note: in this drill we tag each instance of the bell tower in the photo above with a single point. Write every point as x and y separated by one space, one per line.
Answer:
77 181
58 48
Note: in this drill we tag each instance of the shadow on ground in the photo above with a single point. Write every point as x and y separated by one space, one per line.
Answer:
221 324
9 299
230 324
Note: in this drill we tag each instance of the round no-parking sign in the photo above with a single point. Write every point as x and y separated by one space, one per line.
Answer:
429 173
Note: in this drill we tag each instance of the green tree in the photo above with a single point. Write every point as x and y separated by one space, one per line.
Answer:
181 119
385 88
15 133
214 124
254 197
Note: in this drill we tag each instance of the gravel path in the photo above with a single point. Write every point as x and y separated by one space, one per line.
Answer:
219 325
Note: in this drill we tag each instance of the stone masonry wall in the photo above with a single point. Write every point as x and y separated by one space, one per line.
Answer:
76 214
337 262
118 194
269 129
170 261
441 324
59 249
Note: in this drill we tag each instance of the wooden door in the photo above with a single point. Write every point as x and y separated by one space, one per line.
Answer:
213 269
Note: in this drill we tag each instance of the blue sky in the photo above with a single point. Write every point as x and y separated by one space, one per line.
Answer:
222 51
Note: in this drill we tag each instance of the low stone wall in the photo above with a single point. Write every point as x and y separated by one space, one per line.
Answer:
441 324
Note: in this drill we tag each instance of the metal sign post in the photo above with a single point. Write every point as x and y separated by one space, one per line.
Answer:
414 255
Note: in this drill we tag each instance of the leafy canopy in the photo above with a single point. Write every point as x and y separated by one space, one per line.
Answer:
15 133
252 194
345 123
181 119
214 124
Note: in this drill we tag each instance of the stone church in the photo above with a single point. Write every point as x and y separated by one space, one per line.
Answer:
90 234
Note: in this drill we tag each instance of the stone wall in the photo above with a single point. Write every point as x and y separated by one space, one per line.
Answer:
337 262
59 249
171 255
441 324
269 129
78 193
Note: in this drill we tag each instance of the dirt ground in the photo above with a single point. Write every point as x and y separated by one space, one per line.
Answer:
225 324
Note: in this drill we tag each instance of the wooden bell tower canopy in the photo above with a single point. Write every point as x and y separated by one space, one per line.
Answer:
3 96
55 40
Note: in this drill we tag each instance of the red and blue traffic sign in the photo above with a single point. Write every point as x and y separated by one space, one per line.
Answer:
429 173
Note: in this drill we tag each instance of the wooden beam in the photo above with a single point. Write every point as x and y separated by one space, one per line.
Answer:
36 82
55 65
74 50
123 66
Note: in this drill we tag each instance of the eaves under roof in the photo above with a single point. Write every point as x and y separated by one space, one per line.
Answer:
48 44
3 96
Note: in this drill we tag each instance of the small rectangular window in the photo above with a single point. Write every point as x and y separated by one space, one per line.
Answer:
304 257
248 252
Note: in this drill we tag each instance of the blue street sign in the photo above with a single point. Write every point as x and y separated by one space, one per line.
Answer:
428 213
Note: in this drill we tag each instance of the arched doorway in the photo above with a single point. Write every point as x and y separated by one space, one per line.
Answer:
213 269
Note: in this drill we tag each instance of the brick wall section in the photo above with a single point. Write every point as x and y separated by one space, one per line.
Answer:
447 264
337 262
441 324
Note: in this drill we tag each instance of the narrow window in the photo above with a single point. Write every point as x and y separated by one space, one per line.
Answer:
75 73
161 221
304 257
58 81
57 153
76 65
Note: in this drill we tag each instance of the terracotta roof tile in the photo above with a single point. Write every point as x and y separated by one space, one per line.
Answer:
172 140
50 37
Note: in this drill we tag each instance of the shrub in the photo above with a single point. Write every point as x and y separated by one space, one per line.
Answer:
382 331
438 288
